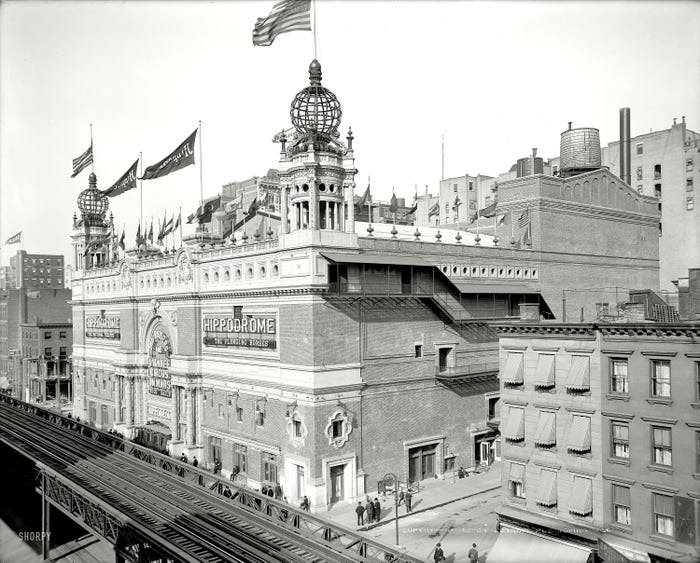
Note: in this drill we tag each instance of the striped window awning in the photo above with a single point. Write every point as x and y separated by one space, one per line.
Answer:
547 488
515 425
581 502
517 473
513 369
546 433
579 375
544 374
580 435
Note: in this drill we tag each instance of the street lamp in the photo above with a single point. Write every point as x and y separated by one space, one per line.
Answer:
396 501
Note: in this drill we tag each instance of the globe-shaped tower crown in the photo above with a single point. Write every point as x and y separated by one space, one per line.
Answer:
315 111
92 203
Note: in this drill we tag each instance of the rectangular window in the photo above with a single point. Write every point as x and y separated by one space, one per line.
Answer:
62 334
621 505
657 171
471 186
454 188
214 448
690 203
221 410
657 190
419 350
697 381
240 457
618 376
259 418
661 446
639 173
337 429
640 148
697 452
688 184
269 463
689 164
48 352
620 439
661 378
239 414
297 428
47 335
663 514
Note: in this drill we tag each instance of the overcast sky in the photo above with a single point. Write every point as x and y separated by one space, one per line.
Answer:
496 79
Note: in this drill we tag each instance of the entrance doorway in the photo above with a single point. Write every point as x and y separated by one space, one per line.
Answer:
421 462
299 481
337 483
485 453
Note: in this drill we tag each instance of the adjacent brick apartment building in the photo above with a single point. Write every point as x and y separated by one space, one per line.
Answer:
601 441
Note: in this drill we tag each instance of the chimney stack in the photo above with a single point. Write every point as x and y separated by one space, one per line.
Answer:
625 148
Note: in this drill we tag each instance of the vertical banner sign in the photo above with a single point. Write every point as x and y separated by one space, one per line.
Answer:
252 332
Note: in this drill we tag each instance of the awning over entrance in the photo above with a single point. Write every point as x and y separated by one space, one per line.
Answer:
468 286
514 546
382 259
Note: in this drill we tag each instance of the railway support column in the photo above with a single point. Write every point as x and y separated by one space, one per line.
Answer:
118 557
45 523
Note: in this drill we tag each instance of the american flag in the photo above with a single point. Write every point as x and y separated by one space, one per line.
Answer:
287 15
524 219
82 161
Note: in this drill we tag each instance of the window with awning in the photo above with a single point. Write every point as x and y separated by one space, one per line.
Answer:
580 435
515 425
513 369
546 434
517 473
579 375
581 503
547 488
544 374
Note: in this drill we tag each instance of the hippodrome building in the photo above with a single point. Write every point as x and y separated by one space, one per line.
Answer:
332 351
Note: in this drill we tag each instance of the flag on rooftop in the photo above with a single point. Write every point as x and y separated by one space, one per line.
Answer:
488 211
82 161
14 239
121 241
204 211
393 204
181 157
365 197
125 183
434 210
287 15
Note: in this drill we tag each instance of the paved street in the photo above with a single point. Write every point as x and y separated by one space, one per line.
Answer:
456 526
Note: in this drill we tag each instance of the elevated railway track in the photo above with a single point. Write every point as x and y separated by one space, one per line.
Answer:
153 508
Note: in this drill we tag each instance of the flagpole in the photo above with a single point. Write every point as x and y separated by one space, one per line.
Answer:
140 189
313 2
179 215
92 163
201 183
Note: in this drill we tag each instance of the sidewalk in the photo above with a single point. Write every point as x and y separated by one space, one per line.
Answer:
433 493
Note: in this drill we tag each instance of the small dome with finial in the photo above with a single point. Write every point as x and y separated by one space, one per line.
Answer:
92 203
315 111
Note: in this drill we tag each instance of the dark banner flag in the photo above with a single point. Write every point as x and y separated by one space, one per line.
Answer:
125 183
182 156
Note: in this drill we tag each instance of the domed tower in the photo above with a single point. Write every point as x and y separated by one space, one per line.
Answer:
317 170
92 230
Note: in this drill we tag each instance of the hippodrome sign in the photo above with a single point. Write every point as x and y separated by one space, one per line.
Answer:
229 331
102 326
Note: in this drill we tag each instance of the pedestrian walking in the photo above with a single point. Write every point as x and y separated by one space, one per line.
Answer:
234 472
407 499
473 554
377 510
195 462
369 510
305 503
401 497
278 492
439 554
183 457
360 511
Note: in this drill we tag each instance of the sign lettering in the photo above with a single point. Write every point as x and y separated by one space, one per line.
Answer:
246 331
103 326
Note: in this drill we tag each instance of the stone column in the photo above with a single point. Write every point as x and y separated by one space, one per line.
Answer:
129 392
118 398
350 202
283 210
189 414
198 415
338 216
174 418
328 214
313 205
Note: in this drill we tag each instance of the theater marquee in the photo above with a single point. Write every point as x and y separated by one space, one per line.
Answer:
258 332
102 326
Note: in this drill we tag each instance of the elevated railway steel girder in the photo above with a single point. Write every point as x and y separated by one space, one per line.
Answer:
135 545
97 516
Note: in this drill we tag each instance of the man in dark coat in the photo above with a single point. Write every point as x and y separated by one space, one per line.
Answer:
407 499
195 462
439 554
369 509
360 511
377 512
473 554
